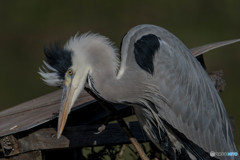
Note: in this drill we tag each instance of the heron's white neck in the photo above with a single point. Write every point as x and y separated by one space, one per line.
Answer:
96 54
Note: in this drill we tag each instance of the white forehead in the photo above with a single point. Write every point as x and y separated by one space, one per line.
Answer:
85 41
85 47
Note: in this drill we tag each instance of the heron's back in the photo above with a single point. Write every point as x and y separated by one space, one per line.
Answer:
179 91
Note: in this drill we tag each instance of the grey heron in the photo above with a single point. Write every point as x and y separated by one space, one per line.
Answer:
173 98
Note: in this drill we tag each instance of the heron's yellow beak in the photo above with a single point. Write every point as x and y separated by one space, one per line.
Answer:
66 105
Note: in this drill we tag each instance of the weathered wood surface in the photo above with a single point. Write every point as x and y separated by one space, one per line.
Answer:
75 136
35 112
34 155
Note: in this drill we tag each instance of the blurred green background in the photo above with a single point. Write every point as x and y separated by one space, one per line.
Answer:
27 26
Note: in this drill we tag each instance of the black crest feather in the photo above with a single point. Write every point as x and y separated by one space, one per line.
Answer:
144 50
58 58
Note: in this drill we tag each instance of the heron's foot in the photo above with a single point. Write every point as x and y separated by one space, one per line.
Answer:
100 129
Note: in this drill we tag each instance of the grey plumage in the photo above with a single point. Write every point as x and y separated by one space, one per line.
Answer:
173 97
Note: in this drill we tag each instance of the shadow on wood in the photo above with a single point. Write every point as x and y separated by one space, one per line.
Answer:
29 129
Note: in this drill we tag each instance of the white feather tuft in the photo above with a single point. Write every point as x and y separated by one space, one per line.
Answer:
49 75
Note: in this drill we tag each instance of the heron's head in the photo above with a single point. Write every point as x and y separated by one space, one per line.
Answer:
67 69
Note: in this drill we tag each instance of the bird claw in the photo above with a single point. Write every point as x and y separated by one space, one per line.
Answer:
100 129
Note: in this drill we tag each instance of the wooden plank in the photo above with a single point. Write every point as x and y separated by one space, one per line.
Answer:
78 136
42 139
34 155
35 112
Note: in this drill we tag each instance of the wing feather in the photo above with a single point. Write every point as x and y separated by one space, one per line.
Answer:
191 103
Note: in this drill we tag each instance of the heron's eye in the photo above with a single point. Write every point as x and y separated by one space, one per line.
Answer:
70 72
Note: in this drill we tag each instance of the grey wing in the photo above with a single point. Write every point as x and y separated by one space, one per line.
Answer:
179 88
194 107
196 51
